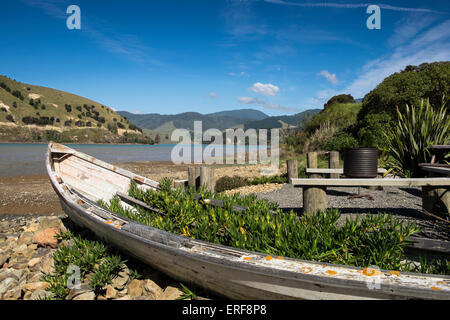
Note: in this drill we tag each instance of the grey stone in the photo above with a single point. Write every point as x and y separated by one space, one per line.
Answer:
90 295
121 280
40 294
7 285
3 258
74 292
12 273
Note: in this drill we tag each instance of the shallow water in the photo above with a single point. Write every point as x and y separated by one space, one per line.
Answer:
29 158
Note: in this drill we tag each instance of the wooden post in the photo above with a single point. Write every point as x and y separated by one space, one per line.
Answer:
292 169
333 163
314 198
194 177
180 183
436 200
207 178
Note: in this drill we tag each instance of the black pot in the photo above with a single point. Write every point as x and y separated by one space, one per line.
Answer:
361 162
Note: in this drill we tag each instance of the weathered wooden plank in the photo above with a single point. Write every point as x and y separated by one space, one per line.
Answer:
442 170
142 204
403 182
335 170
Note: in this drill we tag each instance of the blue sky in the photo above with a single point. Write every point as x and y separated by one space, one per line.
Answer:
277 56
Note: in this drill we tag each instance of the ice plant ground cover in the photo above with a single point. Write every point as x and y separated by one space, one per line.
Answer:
373 240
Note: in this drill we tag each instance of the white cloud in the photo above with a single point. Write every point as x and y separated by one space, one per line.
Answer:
429 46
211 95
267 105
265 89
349 6
409 27
240 74
331 78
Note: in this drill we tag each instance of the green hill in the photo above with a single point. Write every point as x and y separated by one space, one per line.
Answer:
283 121
34 113
244 114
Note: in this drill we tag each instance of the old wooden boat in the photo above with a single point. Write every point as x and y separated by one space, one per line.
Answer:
81 180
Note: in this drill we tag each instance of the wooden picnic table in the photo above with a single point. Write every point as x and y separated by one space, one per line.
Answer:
438 152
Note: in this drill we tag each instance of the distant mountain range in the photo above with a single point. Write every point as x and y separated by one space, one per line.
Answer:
243 118
220 120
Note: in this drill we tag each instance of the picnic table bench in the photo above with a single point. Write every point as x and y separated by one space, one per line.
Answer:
434 189
314 189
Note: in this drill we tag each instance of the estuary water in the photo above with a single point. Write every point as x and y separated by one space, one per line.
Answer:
29 158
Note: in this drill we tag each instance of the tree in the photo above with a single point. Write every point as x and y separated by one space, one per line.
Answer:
342 98
427 81
157 138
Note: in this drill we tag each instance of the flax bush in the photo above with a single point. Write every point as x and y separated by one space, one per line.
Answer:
417 129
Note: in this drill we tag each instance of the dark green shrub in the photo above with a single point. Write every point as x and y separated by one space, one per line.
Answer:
121 126
339 141
10 118
372 128
52 135
135 128
30 120
5 86
229 183
17 94
112 128
281 179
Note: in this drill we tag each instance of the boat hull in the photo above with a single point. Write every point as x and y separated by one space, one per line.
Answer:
234 273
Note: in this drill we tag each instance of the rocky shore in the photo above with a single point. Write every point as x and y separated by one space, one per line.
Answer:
27 245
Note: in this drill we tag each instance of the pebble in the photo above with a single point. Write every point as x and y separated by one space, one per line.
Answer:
25 259
135 288
171 293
